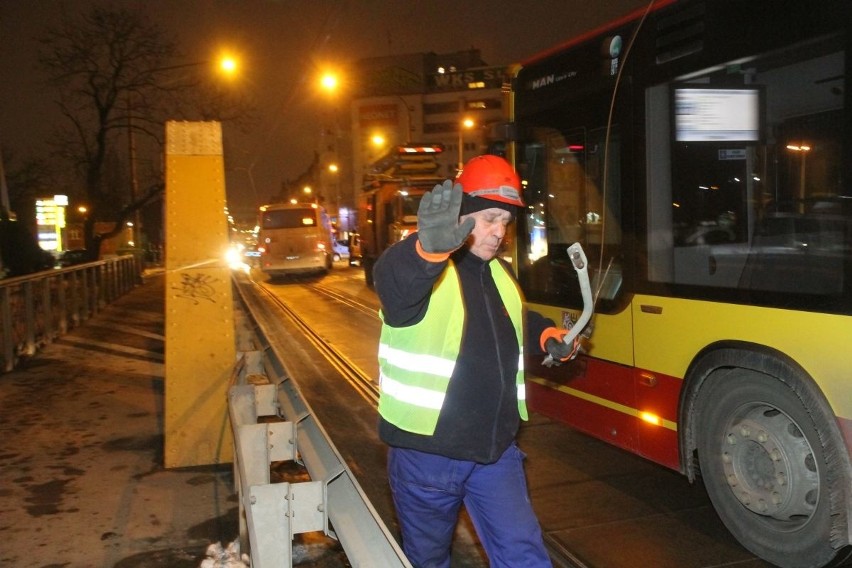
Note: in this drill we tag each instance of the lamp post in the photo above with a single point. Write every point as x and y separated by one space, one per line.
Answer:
803 150
332 171
248 171
463 124
136 233
329 176
407 137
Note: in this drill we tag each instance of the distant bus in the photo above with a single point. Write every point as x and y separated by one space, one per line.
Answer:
294 239
701 152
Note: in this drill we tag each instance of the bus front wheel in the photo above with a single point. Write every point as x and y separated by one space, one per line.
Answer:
766 457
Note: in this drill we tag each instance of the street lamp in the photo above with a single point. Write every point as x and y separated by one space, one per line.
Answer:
465 123
227 66
803 150
329 82
331 153
379 144
332 186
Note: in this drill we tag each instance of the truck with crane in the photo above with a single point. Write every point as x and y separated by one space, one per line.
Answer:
389 198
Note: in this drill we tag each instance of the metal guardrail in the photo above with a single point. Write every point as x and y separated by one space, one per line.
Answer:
271 513
37 308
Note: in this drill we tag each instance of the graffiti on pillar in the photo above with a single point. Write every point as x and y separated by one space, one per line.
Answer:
196 287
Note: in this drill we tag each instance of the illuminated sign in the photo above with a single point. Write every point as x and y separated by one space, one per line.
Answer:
50 218
490 77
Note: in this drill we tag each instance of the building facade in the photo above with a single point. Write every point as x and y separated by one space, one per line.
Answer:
454 99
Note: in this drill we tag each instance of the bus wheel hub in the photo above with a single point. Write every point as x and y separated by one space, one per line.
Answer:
769 464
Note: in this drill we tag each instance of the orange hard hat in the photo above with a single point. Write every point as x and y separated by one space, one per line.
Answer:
493 178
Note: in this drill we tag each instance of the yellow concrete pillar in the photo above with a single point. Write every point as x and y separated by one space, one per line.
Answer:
200 345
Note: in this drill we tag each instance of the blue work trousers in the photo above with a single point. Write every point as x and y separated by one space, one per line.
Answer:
428 491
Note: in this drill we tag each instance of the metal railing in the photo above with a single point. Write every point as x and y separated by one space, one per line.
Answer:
272 513
37 308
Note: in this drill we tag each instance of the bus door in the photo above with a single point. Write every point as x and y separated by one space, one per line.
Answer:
566 170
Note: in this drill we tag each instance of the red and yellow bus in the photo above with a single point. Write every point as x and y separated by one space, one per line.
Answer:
701 152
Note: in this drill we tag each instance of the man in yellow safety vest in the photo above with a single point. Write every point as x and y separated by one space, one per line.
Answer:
451 372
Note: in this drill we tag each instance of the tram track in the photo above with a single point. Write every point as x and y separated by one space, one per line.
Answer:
344 299
361 383
580 488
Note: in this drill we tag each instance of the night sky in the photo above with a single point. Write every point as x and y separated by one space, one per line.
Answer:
283 44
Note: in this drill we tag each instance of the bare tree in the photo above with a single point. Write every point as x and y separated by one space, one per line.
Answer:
118 74
25 178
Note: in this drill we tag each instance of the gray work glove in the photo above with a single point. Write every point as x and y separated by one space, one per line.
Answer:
560 351
438 225
557 350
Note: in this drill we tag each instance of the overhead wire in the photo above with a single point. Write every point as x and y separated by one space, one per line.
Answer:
601 274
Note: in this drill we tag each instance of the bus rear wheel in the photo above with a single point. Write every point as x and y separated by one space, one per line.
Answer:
764 451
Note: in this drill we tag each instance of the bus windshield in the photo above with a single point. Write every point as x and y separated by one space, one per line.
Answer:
289 218
744 186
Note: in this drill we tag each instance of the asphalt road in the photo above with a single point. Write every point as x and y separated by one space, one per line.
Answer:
82 482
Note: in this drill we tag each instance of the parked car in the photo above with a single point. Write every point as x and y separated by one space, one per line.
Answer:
341 251
20 253
72 257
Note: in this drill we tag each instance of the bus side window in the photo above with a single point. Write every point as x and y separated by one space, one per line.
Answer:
731 207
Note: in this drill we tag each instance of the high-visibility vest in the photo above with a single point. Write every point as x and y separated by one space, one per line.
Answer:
417 361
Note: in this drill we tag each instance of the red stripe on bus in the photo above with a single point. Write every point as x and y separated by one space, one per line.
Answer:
595 32
620 397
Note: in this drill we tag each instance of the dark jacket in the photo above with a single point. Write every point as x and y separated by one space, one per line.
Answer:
479 418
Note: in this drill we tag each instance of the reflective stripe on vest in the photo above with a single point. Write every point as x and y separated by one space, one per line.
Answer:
416 363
